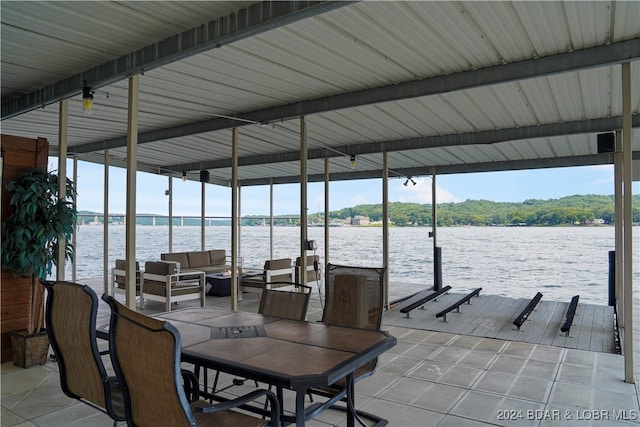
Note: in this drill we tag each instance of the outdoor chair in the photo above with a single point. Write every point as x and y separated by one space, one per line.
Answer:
163 282
71 311
118 277
274 271
354 297
286 304
146 357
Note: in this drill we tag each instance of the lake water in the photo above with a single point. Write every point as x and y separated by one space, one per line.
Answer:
509 261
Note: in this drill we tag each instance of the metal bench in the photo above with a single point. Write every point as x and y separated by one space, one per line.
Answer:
422 301
568 318
456 305
527 311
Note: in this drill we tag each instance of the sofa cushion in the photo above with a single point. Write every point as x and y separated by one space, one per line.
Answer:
217 257
161 268
198 259
180 257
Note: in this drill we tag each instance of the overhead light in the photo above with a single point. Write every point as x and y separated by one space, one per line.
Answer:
87 100
184 176
407 181
353 162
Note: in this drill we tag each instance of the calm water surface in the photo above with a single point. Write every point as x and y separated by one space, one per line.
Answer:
509 261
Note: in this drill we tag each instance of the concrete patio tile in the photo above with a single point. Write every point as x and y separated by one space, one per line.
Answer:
530 368
423 394
496 409
402 415
514 386
447 373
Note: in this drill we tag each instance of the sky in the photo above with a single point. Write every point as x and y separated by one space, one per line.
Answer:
512 186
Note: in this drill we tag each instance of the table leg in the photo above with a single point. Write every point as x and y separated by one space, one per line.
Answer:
351 410
300 414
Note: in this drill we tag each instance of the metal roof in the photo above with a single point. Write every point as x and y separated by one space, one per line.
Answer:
455 86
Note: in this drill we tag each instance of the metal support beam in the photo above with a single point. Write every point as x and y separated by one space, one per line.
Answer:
74 236
105 224
63 141
452 140
385 227
627 220
170 208
618 230
615 53
132 159
271 218
303 201
242 24
326 213
234 220
202 215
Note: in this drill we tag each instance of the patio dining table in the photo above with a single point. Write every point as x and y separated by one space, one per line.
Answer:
291 354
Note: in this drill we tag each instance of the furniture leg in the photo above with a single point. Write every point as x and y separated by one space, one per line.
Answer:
300 414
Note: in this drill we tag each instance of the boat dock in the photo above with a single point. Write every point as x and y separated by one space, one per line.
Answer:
475 369
492 316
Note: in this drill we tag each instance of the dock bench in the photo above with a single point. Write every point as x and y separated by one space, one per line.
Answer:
422 301
568 317
527 311
456 305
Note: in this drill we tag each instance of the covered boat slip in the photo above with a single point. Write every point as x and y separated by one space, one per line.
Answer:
244 93
492 316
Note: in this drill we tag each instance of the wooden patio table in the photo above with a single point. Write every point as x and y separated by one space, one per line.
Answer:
291 354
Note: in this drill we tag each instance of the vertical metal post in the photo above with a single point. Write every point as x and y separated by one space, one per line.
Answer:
202 214
63 140
271 218
303 200
234 219
385 226
170 190
105 222
132 166
437 254
74 237
618 197
326 212
627 219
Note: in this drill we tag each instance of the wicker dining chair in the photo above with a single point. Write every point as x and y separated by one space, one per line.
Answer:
146 357
71 311
354 297
277 301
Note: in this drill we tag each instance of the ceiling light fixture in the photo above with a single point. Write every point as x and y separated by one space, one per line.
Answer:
87 100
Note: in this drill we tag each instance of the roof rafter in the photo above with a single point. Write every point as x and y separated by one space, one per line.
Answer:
458 139
587 58
244 23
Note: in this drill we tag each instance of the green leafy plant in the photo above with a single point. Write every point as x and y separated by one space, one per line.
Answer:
39 223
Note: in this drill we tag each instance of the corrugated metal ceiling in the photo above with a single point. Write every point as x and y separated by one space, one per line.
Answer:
481 110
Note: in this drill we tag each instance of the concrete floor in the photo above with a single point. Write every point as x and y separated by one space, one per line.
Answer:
430 378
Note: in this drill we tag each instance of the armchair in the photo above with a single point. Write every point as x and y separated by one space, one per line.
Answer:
118 277
163 282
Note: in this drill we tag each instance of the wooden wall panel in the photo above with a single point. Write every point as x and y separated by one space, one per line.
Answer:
18 155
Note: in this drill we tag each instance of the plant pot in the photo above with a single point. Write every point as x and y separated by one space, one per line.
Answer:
29 349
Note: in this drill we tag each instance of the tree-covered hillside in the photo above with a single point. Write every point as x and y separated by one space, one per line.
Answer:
566 210
570 210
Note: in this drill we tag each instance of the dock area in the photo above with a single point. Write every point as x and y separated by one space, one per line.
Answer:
492 316
473 370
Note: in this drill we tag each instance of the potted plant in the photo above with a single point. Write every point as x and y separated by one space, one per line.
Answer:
39 222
